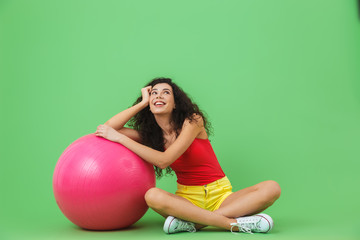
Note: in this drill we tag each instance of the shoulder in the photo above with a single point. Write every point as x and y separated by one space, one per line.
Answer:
195 120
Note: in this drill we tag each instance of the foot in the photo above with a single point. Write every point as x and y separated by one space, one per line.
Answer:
174 225
258 223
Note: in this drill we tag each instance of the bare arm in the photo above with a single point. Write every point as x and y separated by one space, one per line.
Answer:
118 121
160 159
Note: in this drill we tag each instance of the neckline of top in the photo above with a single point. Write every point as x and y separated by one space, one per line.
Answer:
202 138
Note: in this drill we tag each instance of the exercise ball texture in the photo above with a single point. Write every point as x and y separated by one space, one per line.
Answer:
100 185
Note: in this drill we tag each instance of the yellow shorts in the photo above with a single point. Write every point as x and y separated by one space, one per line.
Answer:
209 196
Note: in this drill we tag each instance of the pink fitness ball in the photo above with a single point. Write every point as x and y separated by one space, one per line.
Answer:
100 185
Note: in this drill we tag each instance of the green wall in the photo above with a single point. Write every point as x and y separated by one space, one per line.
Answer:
279 81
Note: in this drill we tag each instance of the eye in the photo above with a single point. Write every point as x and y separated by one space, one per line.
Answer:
167 92
153 93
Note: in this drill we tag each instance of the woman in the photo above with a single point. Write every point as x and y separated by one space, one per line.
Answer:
170 132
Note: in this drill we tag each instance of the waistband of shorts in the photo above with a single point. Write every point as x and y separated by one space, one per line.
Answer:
215 183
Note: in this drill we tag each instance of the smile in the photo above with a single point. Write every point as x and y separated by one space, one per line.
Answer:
159 103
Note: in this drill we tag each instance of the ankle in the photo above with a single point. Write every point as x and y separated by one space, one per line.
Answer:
199 226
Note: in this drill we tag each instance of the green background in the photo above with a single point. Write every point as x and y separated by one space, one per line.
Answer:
279 80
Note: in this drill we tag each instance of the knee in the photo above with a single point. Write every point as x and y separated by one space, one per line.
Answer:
271 190
154 198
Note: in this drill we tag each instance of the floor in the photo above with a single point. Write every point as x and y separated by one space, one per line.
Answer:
150 227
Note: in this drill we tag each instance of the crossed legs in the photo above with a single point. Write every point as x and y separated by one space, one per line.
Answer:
247 201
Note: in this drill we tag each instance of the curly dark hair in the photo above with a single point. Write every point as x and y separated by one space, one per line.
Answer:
151 133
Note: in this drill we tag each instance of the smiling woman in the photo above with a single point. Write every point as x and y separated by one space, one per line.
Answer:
169 131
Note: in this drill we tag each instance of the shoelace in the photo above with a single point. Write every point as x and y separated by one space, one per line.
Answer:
186 225
244 227
241 228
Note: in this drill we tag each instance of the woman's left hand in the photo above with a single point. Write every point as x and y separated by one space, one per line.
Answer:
108 133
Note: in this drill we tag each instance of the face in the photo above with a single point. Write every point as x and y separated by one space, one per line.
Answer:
162 99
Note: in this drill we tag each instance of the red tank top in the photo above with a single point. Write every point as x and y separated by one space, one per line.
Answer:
198 165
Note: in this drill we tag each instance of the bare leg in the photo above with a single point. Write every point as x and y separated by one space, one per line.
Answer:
251 200
247 201
167 204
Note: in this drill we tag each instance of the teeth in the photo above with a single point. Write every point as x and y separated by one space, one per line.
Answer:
159 103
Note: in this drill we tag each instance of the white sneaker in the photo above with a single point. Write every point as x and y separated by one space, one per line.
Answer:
258 223
174 225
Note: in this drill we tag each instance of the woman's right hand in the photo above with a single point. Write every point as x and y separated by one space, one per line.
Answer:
145 92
